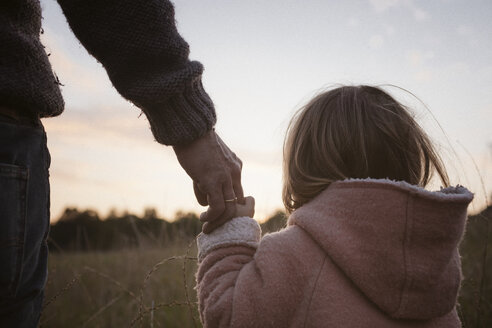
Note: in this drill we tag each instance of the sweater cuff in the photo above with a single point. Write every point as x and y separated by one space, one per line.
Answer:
241 231
184 117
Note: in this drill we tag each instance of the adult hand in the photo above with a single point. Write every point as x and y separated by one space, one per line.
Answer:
216 174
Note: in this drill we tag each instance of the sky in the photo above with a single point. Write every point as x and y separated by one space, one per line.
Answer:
263 60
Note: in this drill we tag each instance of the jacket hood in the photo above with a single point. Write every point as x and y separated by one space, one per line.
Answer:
398 243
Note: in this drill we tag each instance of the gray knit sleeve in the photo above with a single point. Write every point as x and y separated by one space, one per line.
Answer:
147 61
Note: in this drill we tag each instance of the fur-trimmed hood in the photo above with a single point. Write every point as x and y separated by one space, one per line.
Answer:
398 243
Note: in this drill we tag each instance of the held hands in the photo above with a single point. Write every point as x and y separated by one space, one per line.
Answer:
216 174
241 210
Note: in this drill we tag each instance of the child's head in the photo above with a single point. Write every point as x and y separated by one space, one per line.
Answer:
354 132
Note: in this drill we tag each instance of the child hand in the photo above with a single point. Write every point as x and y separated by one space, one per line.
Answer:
246 209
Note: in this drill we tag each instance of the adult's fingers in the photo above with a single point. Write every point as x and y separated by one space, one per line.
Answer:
238 188
228 213
235 166
208 227
215 200
201 197
230 204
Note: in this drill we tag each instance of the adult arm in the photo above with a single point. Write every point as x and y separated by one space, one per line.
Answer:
147 61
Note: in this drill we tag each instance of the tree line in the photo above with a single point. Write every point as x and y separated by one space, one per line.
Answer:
86 230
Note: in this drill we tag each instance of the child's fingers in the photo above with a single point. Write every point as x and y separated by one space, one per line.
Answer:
249 201
248 209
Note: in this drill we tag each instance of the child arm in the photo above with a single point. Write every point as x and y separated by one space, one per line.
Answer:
242 282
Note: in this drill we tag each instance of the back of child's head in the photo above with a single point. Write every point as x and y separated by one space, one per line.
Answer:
354 132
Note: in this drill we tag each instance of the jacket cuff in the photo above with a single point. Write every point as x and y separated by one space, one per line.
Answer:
241 231
184 117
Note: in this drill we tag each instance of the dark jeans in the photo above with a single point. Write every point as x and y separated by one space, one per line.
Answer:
24 221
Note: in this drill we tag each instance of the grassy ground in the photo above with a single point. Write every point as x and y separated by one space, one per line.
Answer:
117 289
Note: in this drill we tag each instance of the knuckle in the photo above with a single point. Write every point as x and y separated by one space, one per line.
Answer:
224 177
237 171
210 186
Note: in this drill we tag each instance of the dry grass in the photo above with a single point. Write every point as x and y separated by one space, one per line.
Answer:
126 288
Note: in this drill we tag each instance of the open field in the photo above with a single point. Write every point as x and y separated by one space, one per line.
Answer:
151 284
105 289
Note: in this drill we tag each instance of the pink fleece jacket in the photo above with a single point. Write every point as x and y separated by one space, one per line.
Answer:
364 253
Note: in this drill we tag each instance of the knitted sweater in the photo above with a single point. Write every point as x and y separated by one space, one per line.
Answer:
363 253
137 43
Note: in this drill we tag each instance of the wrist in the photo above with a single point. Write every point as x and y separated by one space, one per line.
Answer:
240 231
209 135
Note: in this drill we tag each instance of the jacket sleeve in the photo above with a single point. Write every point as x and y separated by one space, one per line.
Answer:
147 61
244 284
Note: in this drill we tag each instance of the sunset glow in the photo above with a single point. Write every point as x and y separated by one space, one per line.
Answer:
263 60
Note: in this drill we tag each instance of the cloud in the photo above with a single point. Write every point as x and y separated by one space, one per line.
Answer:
468 33
383 5
424 75
464 30
353 22
376 41
90 126
389 30
420 14
458 68
380 6
419 60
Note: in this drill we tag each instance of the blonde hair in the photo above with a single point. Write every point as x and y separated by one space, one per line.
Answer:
354 132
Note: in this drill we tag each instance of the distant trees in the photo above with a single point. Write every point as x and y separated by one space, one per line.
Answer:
276 222
85 230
